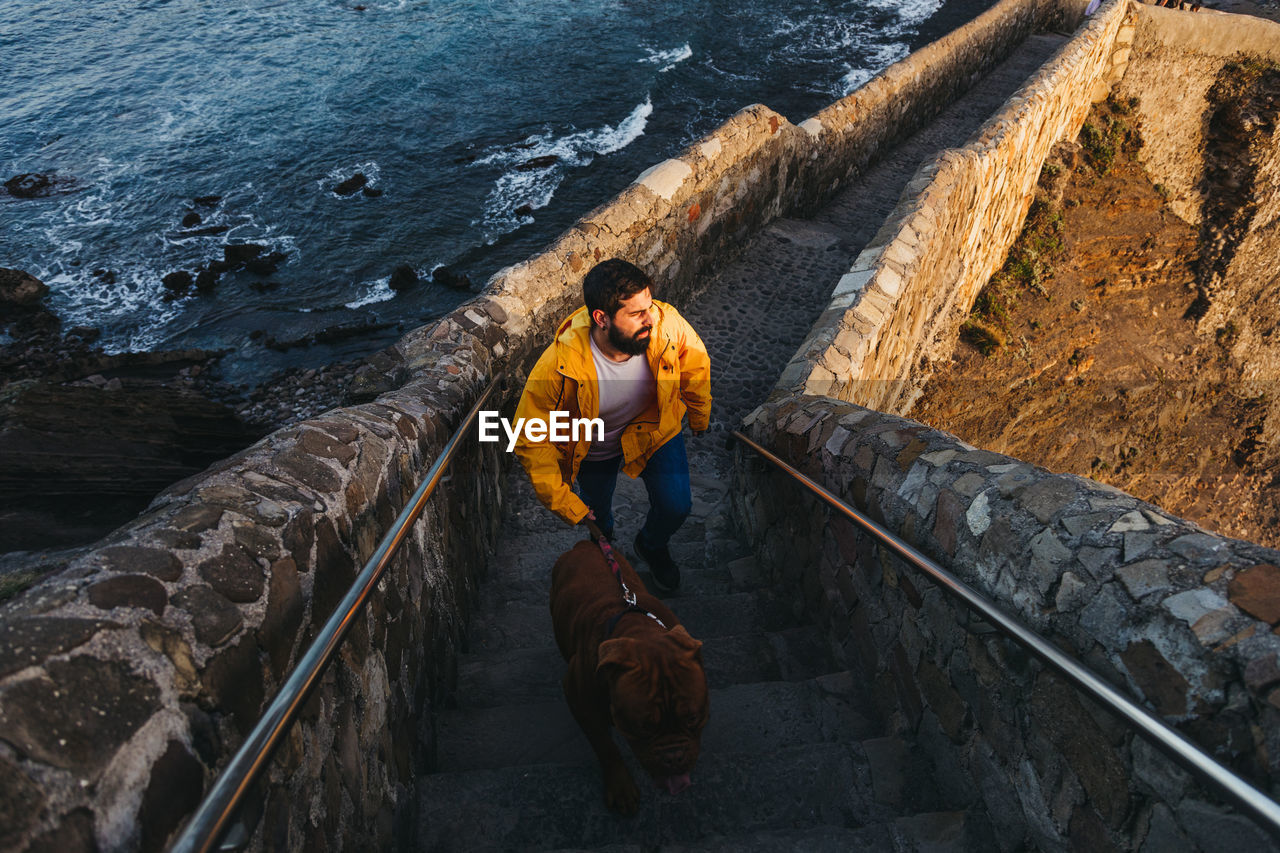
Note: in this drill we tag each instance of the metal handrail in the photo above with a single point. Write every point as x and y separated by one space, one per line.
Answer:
1172 743
216 811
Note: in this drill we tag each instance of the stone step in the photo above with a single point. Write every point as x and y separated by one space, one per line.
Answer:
931 832
524 576
757 718
532 675
549 806
506 626
818 839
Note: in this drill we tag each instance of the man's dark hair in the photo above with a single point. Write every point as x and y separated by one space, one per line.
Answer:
610 282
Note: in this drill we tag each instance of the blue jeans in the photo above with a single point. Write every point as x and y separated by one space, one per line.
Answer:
666 478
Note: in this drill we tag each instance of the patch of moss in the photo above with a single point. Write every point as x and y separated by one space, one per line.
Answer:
987 337
1108 135
13 583
1028 267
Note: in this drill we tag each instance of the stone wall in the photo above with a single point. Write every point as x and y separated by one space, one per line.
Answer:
1177 57
129 679
1167 613
898 309
850 133
1178 618
1204 112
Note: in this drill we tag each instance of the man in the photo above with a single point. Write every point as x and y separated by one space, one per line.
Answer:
638 365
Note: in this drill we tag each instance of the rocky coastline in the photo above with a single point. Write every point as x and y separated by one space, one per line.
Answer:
87 438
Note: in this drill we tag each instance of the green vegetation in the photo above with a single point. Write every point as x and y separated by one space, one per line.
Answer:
987 337
1108 135
12 584
1246 70
1028 267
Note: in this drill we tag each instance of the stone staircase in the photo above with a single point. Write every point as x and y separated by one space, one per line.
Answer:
794 757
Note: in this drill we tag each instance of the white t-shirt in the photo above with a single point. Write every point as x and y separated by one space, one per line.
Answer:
626 388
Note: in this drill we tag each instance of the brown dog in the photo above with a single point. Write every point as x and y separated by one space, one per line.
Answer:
636 666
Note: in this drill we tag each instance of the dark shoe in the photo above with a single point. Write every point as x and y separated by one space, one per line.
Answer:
665 572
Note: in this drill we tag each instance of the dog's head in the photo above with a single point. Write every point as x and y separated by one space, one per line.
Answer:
659 701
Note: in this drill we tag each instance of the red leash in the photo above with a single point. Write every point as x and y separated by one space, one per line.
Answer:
600 539
627 595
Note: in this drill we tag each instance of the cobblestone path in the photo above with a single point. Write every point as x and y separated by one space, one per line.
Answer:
794 757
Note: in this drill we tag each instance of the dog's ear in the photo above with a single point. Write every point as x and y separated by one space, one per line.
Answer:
619 652
683 640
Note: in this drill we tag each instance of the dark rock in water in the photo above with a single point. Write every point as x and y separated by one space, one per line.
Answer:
84 334
352 184
327 335
247 256
20 291
27 186
262 287
403 277
49 357
371 192
36 185
207 279
448 278
524 210
207 200
99 457
240 253
104 276
537 163
177 282
346 331
191 220
266 265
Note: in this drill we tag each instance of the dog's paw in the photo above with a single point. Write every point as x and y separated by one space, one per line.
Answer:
620 792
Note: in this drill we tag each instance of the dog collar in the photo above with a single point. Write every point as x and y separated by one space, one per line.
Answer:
612 622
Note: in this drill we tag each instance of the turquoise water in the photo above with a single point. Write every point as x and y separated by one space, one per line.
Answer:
484 129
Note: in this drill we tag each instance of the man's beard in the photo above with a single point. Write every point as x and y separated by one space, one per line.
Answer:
630 346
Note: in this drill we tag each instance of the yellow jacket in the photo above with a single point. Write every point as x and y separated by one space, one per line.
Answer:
564 379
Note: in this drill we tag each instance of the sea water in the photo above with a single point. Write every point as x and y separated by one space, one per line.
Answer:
484 129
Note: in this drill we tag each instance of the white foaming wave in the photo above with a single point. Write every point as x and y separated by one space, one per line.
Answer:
513 197
710 65
378 290
576 148
818 35
522 189
668 59
134 303
135 310
911 13
608 140
392 6
369 169
884 56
